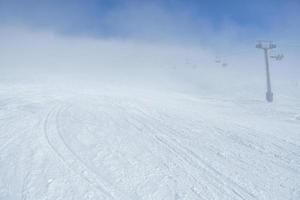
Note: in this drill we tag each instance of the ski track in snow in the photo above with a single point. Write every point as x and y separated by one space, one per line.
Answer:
194 160
117 147
68 156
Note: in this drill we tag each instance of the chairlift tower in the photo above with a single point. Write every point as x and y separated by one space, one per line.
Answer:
266 46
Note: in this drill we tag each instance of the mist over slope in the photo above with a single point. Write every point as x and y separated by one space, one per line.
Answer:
47 58
149 100
84 118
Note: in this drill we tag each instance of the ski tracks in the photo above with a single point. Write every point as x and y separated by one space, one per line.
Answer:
57 143
222 184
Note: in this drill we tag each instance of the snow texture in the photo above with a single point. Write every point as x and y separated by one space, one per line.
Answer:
114 143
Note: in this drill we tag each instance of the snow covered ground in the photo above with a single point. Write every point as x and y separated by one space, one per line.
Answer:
112 143
92 119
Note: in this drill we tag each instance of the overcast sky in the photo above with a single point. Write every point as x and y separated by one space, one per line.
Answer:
188 21
114 37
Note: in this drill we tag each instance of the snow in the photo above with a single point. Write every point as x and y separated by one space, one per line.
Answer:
100 119
123 143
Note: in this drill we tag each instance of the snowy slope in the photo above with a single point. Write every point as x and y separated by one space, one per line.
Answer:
138 144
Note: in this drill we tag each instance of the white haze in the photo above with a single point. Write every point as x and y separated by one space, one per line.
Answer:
147 114
45 57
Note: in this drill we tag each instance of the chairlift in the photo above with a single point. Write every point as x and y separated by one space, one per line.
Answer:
218 60
277 57
224 64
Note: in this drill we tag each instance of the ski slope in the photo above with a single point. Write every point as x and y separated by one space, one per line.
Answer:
135 144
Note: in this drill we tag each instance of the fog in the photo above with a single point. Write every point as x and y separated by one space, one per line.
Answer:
149 99
144 44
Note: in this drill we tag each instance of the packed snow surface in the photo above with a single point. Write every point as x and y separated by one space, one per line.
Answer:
112 143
